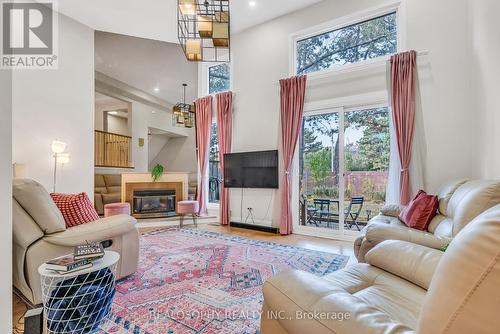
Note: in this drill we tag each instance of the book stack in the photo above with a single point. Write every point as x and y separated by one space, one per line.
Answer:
82 258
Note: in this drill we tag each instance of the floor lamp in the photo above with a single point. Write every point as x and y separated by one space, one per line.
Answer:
58 148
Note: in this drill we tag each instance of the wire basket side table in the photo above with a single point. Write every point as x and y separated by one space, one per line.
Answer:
77 303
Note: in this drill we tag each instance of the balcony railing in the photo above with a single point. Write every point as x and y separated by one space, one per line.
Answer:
111 150
214 182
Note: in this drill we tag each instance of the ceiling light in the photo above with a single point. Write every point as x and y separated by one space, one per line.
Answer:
157 89
252 3
183 112
153 112
204 29
113 112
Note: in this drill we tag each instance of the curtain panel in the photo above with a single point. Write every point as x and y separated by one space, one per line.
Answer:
403 73
203 127
224 134
292 94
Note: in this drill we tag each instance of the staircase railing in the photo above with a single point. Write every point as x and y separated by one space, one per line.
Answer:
111 150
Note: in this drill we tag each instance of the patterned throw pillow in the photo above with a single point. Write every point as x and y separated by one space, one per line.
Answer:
76 209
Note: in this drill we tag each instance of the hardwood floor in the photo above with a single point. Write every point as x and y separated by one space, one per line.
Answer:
318 244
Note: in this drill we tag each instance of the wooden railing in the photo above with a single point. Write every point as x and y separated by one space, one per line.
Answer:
111 150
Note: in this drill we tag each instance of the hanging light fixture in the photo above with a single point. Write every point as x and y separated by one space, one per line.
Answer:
204 29
183 112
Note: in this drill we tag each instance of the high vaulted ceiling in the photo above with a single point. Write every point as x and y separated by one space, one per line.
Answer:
157 19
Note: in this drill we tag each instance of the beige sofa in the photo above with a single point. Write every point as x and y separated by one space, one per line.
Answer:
40 234
403 288
459 203
107 189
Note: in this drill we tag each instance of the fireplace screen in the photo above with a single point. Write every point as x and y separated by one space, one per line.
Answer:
154 203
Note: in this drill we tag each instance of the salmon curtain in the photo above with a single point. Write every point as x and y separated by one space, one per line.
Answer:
203 126
403 102
224 133
292 93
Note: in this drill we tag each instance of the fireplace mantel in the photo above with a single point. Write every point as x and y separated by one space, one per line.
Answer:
146 177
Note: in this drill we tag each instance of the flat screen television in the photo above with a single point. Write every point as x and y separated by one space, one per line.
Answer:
251 170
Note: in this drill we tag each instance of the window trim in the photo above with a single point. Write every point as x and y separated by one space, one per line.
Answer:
395 6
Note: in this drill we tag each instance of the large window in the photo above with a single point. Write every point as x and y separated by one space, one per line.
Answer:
351 44
219 78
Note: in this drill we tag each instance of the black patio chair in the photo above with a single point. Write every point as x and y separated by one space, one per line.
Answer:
353 211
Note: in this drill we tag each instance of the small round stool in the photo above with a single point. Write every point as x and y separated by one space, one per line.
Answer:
114 209
186 208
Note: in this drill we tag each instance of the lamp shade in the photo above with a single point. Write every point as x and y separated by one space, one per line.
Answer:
62 158
193 49
58 146
187 7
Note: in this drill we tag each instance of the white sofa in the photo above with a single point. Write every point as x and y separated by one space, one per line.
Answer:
403 288
459 203
40 234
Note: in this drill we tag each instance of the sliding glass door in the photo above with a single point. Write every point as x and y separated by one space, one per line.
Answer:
343 167
320 172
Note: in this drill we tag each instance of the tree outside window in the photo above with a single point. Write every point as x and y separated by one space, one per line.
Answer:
361 41
218 78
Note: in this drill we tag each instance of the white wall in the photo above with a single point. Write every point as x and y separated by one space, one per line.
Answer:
108 104
486 73
58 104
117 124
261 58
179 155
156 142
6 200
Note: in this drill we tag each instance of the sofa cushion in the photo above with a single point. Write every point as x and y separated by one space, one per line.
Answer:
113 180
463 296
111 198
76 209
472 199
420 211
389 294
99 184
446 193
36 201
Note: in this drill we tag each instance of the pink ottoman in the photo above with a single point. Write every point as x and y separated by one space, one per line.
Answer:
114 209
186 208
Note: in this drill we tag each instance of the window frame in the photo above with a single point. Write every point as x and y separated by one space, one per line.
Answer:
341 105
396 6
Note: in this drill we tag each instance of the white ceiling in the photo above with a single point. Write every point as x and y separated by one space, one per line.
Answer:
157 19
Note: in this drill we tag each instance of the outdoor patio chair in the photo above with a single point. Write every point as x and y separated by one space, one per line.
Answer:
353 211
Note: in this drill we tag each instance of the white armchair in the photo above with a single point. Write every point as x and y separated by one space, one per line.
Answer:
40 234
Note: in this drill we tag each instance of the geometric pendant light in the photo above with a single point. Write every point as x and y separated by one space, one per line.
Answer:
204 29
183 112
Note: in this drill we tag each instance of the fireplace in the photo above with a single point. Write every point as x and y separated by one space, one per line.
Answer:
154 203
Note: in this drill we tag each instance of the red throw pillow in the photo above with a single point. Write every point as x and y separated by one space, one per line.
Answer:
76 209
420 211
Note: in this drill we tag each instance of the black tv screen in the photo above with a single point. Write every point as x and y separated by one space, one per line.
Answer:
251 170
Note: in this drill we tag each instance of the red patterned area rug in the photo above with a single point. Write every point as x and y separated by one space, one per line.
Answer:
192 281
